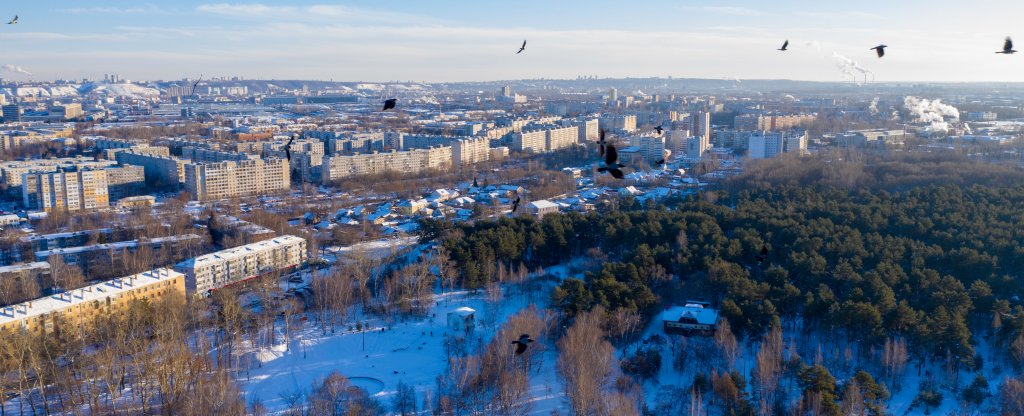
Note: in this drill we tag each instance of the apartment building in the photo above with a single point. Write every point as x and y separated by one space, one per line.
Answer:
68 191
213 271
228 179
201 155
160 171
771 122
625 122
406 161
650 147
79 308
125 181
13 171
530 141
470 151
764 144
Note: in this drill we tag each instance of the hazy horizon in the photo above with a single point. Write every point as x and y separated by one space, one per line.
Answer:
450 42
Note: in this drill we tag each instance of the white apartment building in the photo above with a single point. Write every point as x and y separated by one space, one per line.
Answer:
650 148
530 141
406 161
212 271
470 151
160 170
219 180
561 137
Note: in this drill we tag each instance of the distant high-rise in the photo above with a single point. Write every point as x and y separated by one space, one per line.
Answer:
702 125
506 91
11 113
613 94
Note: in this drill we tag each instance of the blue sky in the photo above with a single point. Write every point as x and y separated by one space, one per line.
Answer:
939 40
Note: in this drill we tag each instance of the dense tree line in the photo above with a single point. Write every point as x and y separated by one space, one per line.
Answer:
919 264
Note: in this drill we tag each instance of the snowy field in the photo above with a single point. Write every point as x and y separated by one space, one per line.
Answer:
411 351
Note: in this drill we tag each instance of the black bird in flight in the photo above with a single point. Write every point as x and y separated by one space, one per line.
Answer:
288 147
761 258
521 48
657 129
13 21
600 142
389 103
880 50
611 161
784 46
521 344
515 204
194 85
1008 47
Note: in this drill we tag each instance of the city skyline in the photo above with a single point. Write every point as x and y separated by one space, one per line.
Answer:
449 41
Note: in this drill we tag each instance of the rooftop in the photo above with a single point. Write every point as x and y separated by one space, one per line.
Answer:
14 268
703 315
239 252
60 301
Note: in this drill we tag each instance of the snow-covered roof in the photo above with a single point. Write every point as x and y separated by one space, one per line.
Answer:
463 311
543 203
114 246
704 316
90 293
24 266
239 252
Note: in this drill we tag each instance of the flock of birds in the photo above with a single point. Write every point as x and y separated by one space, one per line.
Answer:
880 49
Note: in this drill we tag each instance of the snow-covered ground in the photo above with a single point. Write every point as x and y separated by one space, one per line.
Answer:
410 351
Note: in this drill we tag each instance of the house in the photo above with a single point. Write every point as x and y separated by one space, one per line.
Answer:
462 319
411 206
541 208
442 194
693 317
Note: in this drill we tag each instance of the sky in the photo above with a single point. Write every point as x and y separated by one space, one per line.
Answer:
444 40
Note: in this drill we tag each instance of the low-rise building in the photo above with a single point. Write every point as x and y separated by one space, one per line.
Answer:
693 317
218 269
542 207
70 311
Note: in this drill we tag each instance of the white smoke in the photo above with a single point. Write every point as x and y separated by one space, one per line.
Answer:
873 107
932 112
850 68
14 69
790 97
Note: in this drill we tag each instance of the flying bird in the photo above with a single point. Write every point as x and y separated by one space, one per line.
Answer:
521 344
880 50
194 85
784 46
521 48
761 258
515 204
13 21
600 142
611 163
288 147
657 129
1008 47
389 103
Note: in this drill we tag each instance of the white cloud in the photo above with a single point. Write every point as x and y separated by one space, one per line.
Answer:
309 12
114 10
729 10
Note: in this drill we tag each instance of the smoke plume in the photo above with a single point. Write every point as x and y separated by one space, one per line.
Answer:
932 112
14 69
850 68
